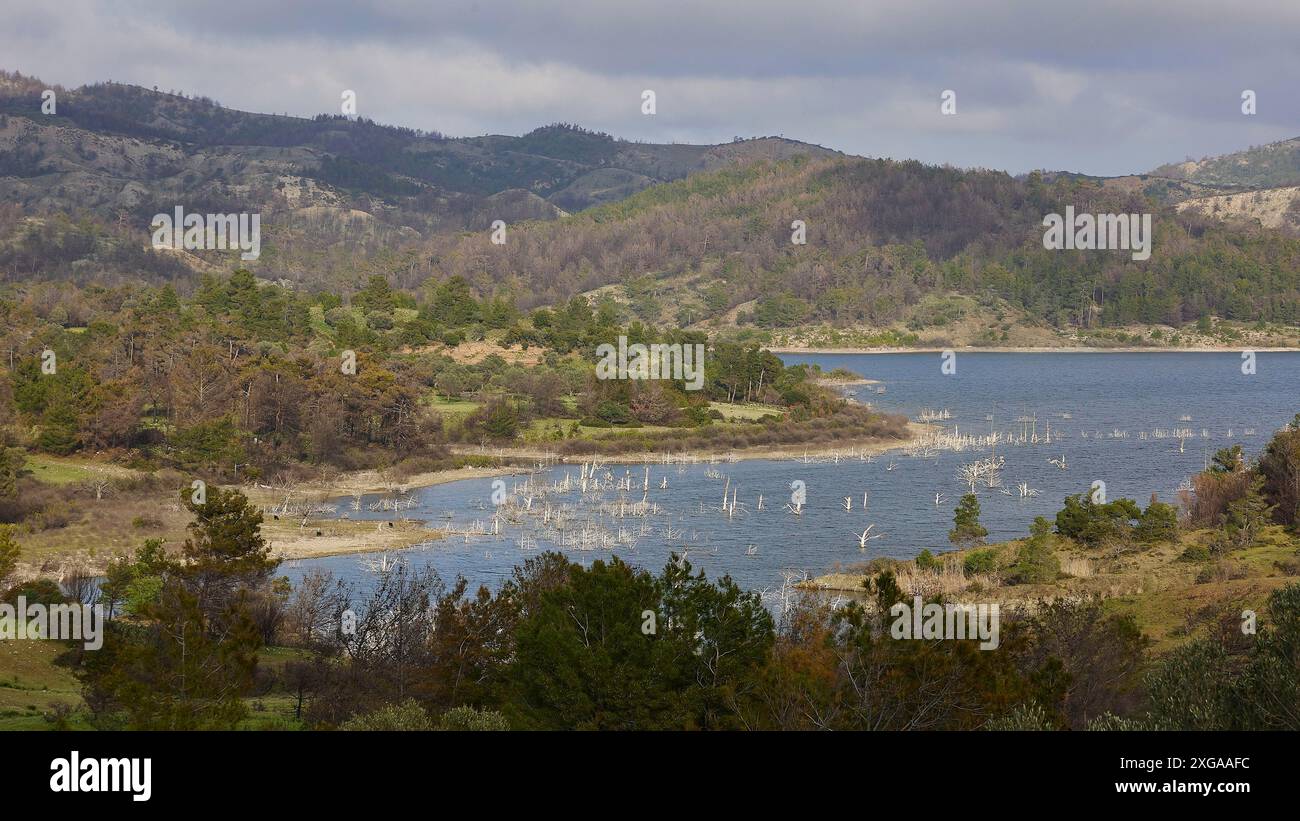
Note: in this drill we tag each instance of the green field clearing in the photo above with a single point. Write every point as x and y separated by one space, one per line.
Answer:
57 471
452 408
32 684
749 410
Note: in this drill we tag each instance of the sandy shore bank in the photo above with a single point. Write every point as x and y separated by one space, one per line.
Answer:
844 383
336 537
369 481
290 538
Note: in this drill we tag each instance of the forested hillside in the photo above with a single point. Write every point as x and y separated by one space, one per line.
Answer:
697 236
881 236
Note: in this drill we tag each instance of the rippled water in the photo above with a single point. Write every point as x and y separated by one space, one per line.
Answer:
1098 407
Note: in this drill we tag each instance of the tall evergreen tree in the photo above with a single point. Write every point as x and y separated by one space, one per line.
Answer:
967 530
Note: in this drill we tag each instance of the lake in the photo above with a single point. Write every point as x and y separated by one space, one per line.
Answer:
1142 423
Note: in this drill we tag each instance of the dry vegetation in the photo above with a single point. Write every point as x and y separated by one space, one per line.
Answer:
1169 596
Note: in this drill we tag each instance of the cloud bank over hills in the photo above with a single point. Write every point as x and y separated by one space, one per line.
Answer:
1103 88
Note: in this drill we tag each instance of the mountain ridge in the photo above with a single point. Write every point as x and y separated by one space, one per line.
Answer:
891 245
202 144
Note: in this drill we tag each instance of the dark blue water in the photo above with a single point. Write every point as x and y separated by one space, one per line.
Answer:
1113 417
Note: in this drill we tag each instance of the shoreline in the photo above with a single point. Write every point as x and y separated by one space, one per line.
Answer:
371 481
872 445
828 382
794 349
343 537
324 536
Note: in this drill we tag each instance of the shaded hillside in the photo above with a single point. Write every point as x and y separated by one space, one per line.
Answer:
115 147
679 234
881 235
883 238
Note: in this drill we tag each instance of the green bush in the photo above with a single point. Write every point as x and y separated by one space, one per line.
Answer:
614 413
36 591
1109 722
469 719
141 592
980 561
379 321
698 415
1159 523
1192 689
405 716
1021 718
1036 561
1094 523
498 419
967 530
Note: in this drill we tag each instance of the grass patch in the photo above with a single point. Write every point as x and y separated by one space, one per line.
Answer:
746 411
55 470
452 408
100 529
545 429
32 685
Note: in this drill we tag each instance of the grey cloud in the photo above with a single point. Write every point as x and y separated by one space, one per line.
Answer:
1105 87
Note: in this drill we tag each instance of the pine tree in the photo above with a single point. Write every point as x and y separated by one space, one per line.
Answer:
1036 561
967 530
59 426
1159 523
225 553
1246 517
184 670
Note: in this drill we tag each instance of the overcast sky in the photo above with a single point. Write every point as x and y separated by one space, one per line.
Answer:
1099 86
